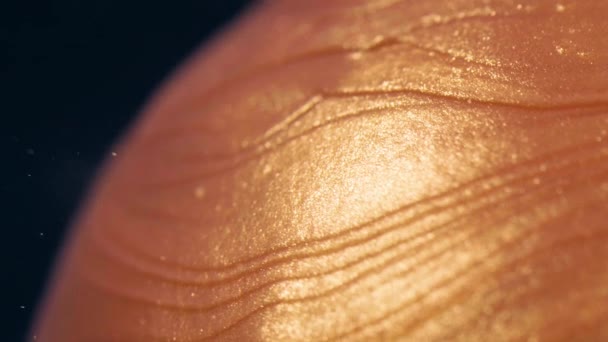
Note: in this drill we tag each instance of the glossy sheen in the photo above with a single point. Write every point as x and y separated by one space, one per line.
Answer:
331 170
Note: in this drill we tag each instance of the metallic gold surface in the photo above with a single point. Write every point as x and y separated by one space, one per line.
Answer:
359 170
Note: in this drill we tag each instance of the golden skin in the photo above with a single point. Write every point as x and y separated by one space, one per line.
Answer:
359 170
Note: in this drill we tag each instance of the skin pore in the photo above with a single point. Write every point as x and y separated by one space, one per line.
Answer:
358 170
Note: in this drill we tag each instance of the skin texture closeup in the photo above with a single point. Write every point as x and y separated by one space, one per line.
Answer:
359 170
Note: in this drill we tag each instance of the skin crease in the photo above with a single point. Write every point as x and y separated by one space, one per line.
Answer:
358 170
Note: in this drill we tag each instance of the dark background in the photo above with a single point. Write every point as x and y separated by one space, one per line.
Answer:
74 73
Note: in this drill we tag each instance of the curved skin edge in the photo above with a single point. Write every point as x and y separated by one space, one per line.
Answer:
375 170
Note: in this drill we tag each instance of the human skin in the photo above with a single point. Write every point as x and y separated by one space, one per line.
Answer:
358 170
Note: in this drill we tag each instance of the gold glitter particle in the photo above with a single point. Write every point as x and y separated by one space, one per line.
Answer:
200 192
267 169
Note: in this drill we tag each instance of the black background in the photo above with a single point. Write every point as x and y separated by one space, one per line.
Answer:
74 73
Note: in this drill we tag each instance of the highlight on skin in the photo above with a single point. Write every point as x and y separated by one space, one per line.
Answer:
358 170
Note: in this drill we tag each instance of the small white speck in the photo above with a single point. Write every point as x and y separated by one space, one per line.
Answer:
559 49
22 306
430 19
560 8
377 40
29 175
192 294
536 181
267 169
163 258
114 154
356 56
41 234
200 192
519 6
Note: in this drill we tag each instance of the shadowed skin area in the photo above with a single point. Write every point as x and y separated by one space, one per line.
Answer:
358 170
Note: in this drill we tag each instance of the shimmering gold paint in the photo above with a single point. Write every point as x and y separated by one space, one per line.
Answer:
359 170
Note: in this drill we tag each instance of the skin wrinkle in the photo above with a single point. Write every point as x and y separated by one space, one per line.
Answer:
456 277
454 299
377 42
562 233
544 250
461 296
365 257
335 248
573 210
377 171
182 308
380 39
561 157
528 293
258 148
